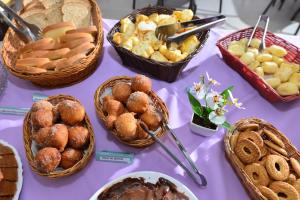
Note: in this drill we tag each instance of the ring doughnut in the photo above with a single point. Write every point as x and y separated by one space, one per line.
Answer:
268 193
258 174
252 136
295 165
284 190
274 138
247 151
277 167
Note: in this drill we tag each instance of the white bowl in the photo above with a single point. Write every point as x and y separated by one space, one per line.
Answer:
151 177
201 130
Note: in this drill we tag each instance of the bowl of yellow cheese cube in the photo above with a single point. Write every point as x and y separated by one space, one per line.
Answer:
274 72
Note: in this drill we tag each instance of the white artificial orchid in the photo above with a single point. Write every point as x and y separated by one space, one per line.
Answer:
217 116
199 90
214 100
212 81
234 101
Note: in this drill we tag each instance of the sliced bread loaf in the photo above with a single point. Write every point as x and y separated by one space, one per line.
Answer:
77 11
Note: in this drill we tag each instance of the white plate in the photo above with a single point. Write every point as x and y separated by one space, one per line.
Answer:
151 177
20 169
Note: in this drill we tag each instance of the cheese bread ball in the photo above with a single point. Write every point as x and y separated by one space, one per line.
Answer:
47 159
264 57
138 102
248 58
121 91
277 50
270 67
71 112
295 78
126 126
274 82
288 88
284 73
236 49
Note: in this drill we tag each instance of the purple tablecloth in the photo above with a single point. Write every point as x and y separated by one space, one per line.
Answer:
208 152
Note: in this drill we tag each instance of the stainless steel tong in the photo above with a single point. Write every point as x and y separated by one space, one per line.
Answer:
168 34
25 29
265 19
200 178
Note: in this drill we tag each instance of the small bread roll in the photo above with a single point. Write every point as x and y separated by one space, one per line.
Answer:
141 83
270 67
31 62
295 78
288 88
42 104
277 50
90 29
121 91
71 112
126 126
42 44
57 30
278 60
264 57
58 137
35 54
70 157
248 58
54 64
42 118
78 137
236 49
75 43
138 102
293 66
84 48
113 107
274 82
253 50
47 159
57 54
75 36
70 61
30 70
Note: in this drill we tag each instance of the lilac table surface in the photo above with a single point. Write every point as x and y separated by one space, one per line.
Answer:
208 152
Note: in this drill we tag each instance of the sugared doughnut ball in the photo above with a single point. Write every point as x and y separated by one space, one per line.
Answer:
42 105
70 157
141 134
138 102
113 107
151 118
78 137
141 83
47 159
42 118
121 91
71 112
42 136
126 126
58 137
109 121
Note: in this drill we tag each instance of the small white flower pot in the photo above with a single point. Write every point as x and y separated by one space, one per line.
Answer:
201 130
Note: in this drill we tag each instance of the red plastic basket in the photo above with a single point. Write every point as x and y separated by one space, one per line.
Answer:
234 62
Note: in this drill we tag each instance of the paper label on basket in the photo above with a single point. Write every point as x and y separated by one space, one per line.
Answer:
13 110
111 156
38 96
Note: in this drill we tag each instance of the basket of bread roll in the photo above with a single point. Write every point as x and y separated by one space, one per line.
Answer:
58 136
264 159
70 45
274 72
134 40
123 103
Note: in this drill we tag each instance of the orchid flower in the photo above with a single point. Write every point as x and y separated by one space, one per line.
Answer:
199 90
217 116
235 102
212 81
214 100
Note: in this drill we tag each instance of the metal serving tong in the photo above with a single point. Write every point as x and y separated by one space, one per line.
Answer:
25 29
266 20
200 180
168 34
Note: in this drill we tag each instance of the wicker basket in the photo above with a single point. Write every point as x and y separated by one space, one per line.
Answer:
66 76
158 103
234 62
252 190
88 152
161 70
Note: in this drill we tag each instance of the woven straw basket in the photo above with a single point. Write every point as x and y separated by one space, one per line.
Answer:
161 70
68 75
88 152
252 190
158 103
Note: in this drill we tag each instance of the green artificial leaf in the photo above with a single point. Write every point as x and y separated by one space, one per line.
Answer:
196 106
225 93
227 125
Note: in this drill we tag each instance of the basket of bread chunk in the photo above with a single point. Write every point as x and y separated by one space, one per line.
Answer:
69 46
58 136
123 103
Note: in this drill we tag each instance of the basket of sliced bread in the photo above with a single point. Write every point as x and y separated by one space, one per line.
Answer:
69 48
123 103
58 136
264 159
